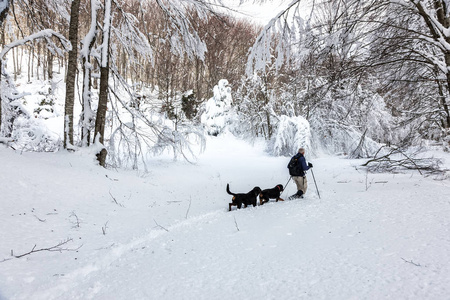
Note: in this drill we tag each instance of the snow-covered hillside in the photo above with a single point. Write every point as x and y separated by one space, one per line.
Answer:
168 235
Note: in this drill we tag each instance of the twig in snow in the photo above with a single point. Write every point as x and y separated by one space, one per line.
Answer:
77 221
108 247
235 223
160 226
41 220
114 199
112 179
56 247
187 212
411 262
367 179
104 228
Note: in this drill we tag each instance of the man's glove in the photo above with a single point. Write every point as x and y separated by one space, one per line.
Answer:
310 165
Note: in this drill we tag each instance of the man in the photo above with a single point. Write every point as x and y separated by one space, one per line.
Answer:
297 167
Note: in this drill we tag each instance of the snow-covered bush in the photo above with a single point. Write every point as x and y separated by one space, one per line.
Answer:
20 125
351 122
31 134
216 109
291 134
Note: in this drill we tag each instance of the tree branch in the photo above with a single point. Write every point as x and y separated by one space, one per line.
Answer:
58 247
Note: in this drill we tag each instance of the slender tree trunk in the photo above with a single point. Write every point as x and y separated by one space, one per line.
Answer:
38 58
1 97
44 64
71 74
14 64
95 66
3 15
49 65
29 66
32 62
104 77
87 115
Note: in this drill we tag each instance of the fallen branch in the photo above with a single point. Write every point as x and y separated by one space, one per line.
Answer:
112 179
187 212
104 228
4 140
40 220
56 247
411 262
114 199
235 223
77 221
157 225
396 159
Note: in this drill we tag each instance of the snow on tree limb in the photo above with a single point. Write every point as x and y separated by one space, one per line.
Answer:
106 29
282 30
43 34
184 39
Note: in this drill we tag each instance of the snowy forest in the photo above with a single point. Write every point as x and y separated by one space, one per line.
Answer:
136 78
136 137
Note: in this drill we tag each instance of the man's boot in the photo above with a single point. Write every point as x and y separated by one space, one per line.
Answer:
297 195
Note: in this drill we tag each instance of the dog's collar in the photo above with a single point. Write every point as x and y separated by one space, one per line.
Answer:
278 187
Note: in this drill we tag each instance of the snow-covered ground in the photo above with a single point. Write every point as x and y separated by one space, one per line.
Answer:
168 235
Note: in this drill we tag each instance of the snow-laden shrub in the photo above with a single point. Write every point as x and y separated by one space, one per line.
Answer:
31 134
350 120
215 115
291 134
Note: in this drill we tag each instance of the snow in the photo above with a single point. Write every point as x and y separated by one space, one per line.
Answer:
106 33
169 234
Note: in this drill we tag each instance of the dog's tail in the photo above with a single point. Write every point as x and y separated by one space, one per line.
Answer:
228 190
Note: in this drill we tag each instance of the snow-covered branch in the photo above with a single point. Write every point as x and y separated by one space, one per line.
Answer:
44 34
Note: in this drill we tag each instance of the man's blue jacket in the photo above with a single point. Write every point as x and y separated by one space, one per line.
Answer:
302 163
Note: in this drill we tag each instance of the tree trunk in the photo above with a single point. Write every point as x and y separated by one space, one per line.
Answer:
87 115
29 66
1 98
3 15
103 92
71 74
38 59
49 65
14 64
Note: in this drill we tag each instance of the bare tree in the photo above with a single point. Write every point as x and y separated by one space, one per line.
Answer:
100 120
72 65
87 115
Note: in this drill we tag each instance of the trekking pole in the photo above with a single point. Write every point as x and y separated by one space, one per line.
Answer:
285 186
315 183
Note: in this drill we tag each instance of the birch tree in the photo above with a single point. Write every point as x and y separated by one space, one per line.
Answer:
87 115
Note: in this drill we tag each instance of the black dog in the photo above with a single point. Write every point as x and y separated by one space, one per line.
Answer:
246 199
274 193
